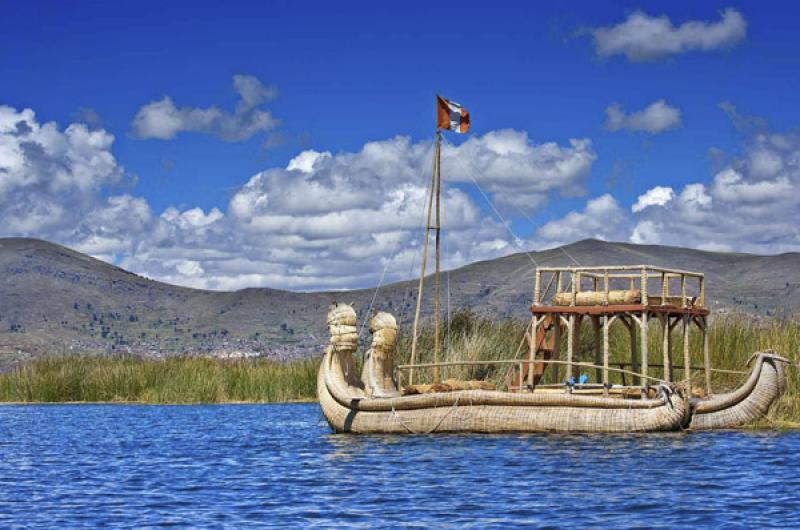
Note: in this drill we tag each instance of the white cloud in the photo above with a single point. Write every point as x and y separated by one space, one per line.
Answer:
602 218
750 205
162 119
658 196
655 118
324 221
517 171
336 220
642 37
51 180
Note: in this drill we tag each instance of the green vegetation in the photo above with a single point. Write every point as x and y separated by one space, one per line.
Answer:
732 340
468 337
171 380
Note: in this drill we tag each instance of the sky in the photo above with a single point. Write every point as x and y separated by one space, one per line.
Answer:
289 144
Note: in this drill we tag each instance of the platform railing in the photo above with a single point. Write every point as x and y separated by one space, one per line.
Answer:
636 277
399 369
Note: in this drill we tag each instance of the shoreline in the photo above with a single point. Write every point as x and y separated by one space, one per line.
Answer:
154 403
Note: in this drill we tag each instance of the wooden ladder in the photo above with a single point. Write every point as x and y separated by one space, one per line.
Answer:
545 346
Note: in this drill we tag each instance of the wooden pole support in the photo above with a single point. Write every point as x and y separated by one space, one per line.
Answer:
570 348
667 348
644 286
422 267
687 371
706 356
634 356
606 325
643 326
531 352
598 346
437 287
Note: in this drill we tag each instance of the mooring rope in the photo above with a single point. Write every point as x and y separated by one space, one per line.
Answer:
441 420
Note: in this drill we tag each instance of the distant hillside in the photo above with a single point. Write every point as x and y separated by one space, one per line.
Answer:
53 299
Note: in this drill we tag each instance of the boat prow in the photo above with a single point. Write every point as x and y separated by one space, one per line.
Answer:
746 404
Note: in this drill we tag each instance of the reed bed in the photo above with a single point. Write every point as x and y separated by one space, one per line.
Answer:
732 339
467 337
170 380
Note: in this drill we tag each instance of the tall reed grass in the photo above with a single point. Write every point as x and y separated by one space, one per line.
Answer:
171 380
467 337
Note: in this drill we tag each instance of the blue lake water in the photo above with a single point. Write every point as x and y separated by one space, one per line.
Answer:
237 466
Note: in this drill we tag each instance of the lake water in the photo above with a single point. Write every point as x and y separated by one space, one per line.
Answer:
239 466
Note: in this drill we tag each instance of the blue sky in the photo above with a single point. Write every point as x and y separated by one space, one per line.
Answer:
358 73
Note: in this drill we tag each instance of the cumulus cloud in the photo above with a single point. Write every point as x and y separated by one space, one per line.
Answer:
642 37
655 118
162 119
750 205
517 171
658 196
602 218
324 220
337 220
50 178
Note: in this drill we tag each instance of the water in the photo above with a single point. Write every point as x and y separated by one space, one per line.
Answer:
240 466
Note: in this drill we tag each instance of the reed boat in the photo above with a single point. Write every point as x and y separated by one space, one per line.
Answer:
375 402
556 383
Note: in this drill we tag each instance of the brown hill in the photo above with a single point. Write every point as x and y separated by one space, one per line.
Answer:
56 300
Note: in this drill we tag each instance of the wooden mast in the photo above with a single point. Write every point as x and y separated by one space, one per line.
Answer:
422 270
435 189
436 289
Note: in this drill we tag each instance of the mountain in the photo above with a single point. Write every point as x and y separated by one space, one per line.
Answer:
56 300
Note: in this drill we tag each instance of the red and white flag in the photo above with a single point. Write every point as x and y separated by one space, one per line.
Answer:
451 116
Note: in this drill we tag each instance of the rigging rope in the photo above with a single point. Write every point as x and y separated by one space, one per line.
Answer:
392 254
506 224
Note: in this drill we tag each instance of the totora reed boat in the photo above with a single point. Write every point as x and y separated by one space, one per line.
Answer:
547 388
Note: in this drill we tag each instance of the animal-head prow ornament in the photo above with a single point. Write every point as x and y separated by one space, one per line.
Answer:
342 321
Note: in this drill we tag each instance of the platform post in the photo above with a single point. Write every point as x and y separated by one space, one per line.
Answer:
643 325
570 348
556 347
605 354
702 299
634 356
531 353
706 355
598 347
687 358
573 278
667 349
683 290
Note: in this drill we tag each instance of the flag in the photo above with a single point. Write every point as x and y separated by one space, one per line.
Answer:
451 116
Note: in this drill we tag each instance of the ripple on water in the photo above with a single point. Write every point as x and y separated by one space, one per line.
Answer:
278 465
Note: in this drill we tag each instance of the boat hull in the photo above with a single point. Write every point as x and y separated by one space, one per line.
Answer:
481 411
